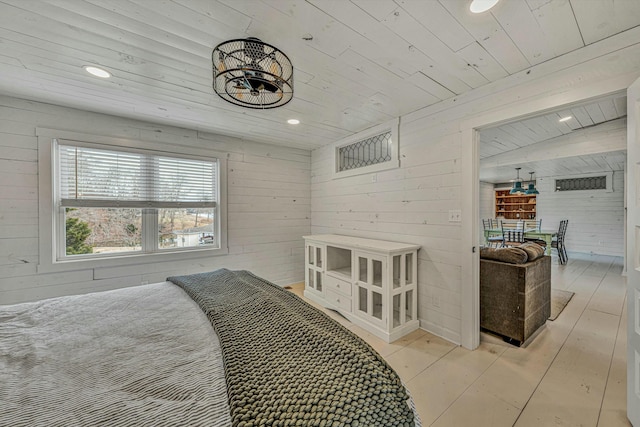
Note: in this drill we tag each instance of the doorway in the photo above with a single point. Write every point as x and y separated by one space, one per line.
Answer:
470 325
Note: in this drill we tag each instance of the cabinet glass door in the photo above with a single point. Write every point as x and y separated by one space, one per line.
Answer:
318 281
371 275
314 257
402 270
402 308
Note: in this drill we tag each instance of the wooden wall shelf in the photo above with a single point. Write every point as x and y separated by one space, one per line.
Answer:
515 206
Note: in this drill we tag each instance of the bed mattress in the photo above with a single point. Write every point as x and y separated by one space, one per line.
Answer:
150 355
145 355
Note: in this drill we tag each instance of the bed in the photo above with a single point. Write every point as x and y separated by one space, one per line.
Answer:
223 348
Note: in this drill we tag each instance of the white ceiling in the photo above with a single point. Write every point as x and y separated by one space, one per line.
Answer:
522 137
369 60
522 133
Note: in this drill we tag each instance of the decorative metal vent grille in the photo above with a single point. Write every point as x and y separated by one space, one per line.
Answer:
589 183
370 151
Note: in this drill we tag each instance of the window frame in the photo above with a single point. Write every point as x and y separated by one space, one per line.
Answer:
50 223
390 126
608 182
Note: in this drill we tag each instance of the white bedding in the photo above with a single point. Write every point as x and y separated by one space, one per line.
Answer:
131 357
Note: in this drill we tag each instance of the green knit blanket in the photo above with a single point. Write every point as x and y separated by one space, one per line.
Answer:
289 364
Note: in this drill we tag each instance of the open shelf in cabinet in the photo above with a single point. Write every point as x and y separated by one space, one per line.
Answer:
339 262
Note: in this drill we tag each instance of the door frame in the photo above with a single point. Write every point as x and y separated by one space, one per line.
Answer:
470 178
632 215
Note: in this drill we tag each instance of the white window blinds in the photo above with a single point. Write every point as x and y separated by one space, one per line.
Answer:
96 177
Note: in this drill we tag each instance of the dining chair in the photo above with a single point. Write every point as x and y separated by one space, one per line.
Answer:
558 242
512 236
492 224
533 224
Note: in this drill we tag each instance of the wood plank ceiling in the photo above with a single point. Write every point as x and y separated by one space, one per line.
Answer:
368 60
511 145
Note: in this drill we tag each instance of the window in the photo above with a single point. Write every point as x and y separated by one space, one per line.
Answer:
112 201
373 150
370 151
590 183
601 181
118 199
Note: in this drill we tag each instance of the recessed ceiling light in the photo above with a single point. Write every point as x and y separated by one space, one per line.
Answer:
564 119
98 72
293 121
479 6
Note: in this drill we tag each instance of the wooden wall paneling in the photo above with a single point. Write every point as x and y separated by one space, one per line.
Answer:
180 21
486 210
217 13
476 56
164 89
430 85
161 55
409 204
608 109
540 86
557 24
413 60
581 115
493 37
431 134
521 26
620 105
438 20
268 241
39 54
406 26
19 229
597 19
383 80
377 9
605 138
595 113
596 218
108 51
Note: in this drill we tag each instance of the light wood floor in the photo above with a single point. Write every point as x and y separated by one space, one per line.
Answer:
573 373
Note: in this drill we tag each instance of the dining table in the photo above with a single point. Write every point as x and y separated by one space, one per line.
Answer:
532 233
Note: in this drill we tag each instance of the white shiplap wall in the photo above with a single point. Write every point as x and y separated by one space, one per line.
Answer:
411 204
487 201
268 204
596 218
408 205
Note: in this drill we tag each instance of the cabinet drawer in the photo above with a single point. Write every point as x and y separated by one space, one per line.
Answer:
337 285
338 300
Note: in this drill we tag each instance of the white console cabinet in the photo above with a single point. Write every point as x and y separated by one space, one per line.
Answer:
373 283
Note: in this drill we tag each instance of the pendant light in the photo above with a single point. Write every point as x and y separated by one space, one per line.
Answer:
532 186
517 184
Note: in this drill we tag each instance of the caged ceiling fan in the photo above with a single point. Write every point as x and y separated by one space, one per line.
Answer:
252 74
